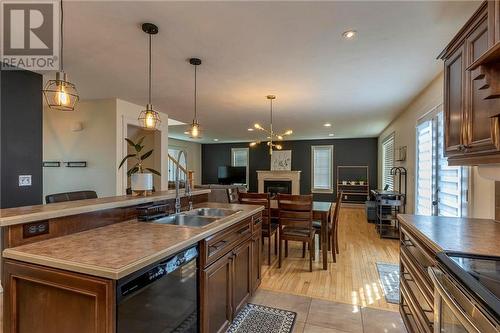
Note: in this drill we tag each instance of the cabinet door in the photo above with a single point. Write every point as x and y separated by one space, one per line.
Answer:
481 132
454 67
256 260
242 269
216 295
42 300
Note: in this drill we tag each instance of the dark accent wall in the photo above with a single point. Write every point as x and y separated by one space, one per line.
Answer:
20 137
345 152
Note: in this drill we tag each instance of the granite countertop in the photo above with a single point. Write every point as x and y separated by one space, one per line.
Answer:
479 236
11 216
119 249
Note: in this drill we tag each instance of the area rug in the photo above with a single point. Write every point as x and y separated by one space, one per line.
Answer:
389 278
258 318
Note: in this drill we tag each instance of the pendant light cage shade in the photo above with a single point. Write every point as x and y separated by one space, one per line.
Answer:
149 119
195 130
60 94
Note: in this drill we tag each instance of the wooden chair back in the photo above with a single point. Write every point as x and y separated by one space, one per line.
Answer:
262 199
295 211
232 195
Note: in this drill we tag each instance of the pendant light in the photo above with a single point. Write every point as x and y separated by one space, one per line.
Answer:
271 135
60 94
195 130
149 119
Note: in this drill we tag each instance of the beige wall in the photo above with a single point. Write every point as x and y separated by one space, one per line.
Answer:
481 193
193 150
101 143
95 143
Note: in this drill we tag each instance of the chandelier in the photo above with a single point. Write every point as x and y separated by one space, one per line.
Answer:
271 135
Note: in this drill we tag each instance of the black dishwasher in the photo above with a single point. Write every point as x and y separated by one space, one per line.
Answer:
160 298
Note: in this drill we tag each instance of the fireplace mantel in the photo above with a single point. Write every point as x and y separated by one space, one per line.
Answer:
293 176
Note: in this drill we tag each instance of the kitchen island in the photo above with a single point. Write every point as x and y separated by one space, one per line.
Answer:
66 279
422 238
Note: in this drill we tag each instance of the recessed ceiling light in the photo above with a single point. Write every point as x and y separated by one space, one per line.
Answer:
186 132
216 140
349 34
331 134
250 129
327 125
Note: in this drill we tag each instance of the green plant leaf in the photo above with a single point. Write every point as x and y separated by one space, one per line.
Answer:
146 155
138 148
154 171
130 142
132 170
126 158
140 140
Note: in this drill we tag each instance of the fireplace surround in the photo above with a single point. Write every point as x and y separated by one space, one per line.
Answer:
285 176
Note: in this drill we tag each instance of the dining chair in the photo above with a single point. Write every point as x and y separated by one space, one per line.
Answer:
268 227
335 246
333 226
295 222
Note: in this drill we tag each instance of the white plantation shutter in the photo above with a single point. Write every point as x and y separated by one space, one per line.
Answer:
452 195
425 168
322 168
441 189
388 161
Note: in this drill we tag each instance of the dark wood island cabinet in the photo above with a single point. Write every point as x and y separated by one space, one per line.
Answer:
65 280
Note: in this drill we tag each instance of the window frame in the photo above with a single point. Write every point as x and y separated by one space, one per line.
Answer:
388 138
247 150
331 189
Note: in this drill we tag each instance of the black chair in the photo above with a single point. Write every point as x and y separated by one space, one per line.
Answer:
70 196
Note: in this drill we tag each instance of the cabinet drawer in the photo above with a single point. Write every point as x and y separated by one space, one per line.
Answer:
421 278
408 316
257 223
224 241
420 317
417 253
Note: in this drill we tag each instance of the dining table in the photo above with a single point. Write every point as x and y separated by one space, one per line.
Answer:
321 212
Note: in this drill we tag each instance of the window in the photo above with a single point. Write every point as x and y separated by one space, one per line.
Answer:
441 189
240 158
322 169
388 162
173 153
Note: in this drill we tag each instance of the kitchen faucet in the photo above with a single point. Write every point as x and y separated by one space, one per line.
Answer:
187 186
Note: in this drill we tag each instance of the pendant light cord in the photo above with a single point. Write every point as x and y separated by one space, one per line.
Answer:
149 83
195 92
62 37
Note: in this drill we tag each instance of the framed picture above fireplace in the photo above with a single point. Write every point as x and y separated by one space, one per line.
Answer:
281 160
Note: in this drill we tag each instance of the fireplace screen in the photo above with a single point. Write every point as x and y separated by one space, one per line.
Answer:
278 186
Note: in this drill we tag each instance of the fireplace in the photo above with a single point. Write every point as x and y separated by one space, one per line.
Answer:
278 186
282 178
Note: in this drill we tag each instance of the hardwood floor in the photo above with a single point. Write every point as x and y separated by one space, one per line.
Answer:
353 279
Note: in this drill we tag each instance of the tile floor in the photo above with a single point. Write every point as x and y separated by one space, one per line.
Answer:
321 316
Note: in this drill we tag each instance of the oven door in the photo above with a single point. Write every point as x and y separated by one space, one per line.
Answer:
455 311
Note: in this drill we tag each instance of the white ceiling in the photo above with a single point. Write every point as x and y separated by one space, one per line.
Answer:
251 49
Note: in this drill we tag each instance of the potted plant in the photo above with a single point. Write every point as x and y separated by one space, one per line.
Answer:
362 182
141 182
352 182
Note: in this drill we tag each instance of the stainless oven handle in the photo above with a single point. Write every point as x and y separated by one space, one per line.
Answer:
455 307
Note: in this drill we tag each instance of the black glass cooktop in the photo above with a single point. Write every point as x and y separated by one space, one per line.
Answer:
480 274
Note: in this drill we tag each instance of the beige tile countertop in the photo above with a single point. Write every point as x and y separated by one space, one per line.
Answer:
479 236
117 250
11 216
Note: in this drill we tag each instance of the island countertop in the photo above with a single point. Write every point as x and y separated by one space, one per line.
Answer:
18 215
478 236
116 250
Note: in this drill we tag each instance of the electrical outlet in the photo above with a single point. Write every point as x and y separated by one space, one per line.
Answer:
24 180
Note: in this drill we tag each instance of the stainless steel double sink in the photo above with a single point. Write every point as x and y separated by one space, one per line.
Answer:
199 217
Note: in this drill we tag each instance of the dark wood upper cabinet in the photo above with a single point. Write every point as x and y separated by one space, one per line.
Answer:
471 127
453 102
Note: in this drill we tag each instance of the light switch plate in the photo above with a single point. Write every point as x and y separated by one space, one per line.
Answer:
24 180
